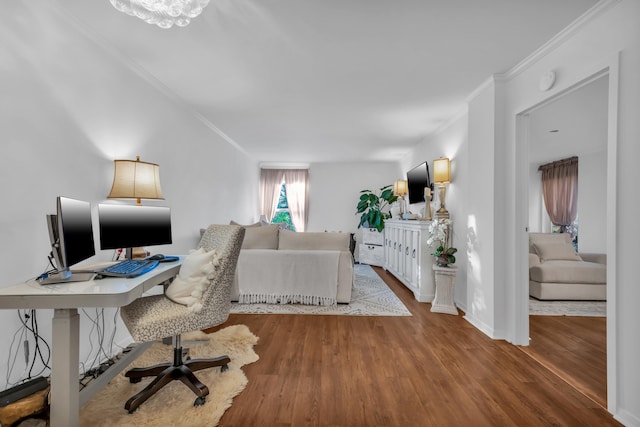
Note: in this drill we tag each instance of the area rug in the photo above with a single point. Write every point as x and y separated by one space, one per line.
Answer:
173 405
370 296
567 308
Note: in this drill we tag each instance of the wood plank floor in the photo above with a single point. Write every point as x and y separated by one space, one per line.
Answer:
426 370
575 348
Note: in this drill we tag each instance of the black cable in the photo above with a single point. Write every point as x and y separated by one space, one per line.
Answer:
34 330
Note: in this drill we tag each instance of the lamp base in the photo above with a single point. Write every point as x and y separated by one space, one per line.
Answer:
442 214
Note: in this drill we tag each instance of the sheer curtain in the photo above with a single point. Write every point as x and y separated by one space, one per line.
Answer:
560 191
297 183
270 183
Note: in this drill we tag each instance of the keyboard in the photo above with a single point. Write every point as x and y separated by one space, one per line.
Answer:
129 268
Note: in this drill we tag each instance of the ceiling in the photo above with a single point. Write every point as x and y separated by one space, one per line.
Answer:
324 81
573 124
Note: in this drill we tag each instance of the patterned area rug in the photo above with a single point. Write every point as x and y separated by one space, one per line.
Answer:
370 296
567 308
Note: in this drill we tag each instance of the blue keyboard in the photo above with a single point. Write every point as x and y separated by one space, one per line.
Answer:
129 268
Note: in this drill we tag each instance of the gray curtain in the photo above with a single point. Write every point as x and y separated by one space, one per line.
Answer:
560 190
270 183
297 183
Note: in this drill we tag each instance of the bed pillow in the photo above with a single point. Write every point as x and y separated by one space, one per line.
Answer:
314 241
194 278
556 251
265 237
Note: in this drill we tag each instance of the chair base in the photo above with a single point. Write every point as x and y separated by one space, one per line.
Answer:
167 372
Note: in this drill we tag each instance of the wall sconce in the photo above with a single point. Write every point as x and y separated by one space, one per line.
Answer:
400 188
133 179
442 176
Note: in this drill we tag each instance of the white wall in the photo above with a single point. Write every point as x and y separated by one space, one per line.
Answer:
67 109
335 192
592 202
452 142
575 57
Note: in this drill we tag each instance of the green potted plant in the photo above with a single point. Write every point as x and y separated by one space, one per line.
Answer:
439 232
373 207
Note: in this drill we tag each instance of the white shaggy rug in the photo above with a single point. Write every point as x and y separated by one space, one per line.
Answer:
173 405
370 296
567 308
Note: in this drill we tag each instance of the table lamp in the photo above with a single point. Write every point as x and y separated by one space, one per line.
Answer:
400 190
442 176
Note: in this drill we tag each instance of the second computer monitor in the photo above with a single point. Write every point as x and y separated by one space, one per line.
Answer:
127 226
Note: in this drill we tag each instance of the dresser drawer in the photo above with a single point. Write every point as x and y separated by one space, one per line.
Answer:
371 254
371 236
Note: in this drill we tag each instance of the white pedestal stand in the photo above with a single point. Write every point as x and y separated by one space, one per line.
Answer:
445 280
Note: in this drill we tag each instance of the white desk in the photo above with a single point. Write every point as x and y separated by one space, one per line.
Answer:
65 299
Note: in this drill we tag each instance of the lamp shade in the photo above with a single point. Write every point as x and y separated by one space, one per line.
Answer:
441 171
133 179
400 188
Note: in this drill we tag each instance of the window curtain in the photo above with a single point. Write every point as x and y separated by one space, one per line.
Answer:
560 191
297 183
270 183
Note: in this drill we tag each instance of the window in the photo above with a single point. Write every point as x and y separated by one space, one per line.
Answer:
295 196
283 214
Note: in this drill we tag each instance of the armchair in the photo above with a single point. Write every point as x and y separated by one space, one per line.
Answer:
156 317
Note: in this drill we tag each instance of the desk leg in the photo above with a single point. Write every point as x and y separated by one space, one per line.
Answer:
65 399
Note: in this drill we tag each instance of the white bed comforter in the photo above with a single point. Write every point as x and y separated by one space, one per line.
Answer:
288 276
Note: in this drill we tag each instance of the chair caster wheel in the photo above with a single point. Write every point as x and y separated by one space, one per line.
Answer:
199 401
135 380
224 368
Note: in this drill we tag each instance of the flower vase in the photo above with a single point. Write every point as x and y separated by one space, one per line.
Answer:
442 261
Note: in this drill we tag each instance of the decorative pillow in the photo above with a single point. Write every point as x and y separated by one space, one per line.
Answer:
314 241
265 237
193 279
556 251
257 224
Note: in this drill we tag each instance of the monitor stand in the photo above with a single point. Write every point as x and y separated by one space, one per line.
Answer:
66 277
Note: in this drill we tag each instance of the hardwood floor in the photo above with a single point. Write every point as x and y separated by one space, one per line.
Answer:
426 370
575 348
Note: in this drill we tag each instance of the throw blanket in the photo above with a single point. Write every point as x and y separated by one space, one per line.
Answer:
288 277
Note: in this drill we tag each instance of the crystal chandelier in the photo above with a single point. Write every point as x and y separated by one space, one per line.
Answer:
163 13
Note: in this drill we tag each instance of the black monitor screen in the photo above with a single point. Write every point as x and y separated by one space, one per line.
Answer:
127 226
417 179
75 231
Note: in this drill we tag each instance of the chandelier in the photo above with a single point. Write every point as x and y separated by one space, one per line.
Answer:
163 13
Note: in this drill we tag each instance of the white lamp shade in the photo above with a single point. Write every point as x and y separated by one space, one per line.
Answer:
133 179
400 188
441 171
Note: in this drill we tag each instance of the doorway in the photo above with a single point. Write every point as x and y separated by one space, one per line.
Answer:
606 73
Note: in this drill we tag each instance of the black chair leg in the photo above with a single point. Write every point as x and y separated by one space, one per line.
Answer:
167 372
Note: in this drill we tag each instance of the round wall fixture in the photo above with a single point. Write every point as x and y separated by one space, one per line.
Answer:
547 80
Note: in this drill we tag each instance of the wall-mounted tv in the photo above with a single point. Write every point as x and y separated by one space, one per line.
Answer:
417 180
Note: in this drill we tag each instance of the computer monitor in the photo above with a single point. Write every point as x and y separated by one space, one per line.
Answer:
417 180
71 236
128 226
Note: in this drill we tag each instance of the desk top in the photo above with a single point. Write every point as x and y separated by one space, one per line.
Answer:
107 292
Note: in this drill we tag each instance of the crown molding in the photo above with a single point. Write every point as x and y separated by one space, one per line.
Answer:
596 10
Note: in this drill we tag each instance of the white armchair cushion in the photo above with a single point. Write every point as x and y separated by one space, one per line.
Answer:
193 279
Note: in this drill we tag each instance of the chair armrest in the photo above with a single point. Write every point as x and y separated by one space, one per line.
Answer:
593 257
533 260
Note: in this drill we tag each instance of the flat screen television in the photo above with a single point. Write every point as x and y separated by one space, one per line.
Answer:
128 226
417 180
71 236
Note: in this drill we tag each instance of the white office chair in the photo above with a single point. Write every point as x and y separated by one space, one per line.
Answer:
156 317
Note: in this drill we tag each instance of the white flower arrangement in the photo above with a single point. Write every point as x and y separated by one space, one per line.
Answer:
439 231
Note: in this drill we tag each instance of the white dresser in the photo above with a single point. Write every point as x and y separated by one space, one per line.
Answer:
407 256
371 250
